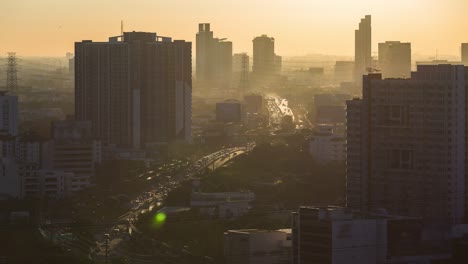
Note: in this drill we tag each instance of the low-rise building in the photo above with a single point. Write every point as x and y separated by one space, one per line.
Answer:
228 111
335 235
254 246
46 184
339 235
221 204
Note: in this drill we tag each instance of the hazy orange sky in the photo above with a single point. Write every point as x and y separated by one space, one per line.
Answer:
50 27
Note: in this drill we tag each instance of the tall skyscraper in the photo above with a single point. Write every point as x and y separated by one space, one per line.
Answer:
362 48
406 143
464 53
8 114
204 41
395 59
263 56
223 62
135 89
214 58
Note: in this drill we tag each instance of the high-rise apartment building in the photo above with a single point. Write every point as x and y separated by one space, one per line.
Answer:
464 54
362 48
406 144
395 59
264 58
135 89
214 58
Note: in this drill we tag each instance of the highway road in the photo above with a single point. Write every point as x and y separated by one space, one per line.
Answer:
148 200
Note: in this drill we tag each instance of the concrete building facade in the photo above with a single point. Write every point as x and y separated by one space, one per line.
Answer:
406 143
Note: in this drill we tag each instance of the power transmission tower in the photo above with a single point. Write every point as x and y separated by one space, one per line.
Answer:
12 77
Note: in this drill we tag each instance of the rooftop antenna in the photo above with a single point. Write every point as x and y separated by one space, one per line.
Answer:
121 27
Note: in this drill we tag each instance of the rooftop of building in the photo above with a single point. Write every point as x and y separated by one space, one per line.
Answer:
259 231
337 213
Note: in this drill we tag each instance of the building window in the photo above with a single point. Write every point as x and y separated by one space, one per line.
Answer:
400 159
396 115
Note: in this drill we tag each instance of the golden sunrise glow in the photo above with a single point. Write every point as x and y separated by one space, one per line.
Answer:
299 26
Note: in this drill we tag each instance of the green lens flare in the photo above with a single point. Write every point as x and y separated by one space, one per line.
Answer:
160 218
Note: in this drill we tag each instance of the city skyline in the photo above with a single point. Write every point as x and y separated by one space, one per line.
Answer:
61 29
286 132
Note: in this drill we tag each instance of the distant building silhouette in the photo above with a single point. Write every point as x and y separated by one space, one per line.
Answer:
228 111
464 53
363 48
395 59
240 70
406 144
214 58
135 89
344 71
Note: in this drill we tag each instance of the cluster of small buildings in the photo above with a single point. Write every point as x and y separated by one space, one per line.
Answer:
49 168
232 119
